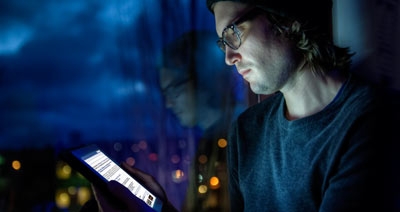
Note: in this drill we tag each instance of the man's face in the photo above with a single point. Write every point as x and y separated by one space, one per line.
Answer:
267 62
180 96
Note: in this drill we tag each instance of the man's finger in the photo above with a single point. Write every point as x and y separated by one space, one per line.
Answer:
125 196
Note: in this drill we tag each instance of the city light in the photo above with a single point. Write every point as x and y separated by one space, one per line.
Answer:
63 200
178 176
72 190
130 161
222 143
214 182
84 194
63 170
16 165
202 189
203 159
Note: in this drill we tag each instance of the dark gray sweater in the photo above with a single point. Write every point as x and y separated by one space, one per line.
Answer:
324 162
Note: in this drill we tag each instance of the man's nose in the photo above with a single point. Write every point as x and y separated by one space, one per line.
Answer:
231 56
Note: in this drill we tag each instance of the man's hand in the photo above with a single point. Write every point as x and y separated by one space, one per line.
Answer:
147 180
123 200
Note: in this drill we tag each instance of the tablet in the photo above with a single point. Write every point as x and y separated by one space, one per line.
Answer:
98 168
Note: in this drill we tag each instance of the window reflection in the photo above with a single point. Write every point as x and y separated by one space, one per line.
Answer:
198 88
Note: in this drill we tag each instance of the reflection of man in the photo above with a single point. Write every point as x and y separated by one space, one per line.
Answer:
199 89
195 91
179 96
201 96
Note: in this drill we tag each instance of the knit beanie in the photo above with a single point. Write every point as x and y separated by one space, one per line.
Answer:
316 14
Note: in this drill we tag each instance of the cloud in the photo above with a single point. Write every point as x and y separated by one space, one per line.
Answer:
120 13
13 37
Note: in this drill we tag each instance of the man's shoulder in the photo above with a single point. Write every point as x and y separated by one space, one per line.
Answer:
377 93
374 100
362 93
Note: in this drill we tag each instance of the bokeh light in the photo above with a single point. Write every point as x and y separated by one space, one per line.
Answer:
178 176
84 194
72 190
175 159
63 170
214 183
203 159
153 157
202 189
143 145
16 165
117 146
130 161
63 200
222 143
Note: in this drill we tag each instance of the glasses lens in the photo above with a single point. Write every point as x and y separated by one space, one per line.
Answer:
231 37
221 44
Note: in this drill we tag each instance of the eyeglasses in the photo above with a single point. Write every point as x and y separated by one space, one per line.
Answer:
231 35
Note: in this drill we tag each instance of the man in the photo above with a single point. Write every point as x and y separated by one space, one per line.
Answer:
319 142
313 145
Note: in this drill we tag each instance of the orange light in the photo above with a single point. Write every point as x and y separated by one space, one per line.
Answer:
222 143
16 165
178 175
214 182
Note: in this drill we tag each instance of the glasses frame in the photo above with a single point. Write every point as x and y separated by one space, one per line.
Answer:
222 42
